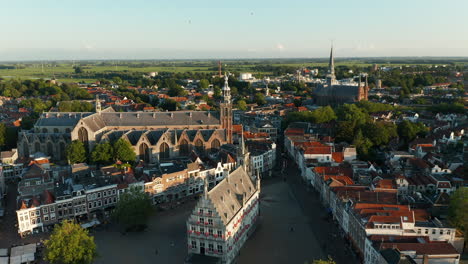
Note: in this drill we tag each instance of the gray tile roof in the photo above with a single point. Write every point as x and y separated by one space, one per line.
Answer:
229 195
202 118
60 119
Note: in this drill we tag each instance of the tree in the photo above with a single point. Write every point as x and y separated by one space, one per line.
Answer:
169 105
458 214
102 153
323 261
75 152
408 130
133 209
70 244
323 114
123 151
204 83
78 70
242 105
260 99
3 134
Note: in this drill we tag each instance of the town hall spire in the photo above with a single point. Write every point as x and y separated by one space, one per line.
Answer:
226 110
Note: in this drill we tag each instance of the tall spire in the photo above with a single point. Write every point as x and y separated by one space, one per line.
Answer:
98 104
331 64
242 142
226 90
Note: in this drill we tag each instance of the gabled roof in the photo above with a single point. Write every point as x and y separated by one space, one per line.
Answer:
229 196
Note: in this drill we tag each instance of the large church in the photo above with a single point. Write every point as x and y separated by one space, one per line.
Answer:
332 91
154 136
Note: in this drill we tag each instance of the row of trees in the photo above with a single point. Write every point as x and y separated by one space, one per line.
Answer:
103 153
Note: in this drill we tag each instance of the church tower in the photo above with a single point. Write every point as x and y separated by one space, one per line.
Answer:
331 69
98 107
226 110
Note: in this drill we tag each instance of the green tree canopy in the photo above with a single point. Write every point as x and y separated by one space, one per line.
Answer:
408 130
123 151
133 209
75 152
169 105
102 153
458 213
70 244
204 83
259 98
242 105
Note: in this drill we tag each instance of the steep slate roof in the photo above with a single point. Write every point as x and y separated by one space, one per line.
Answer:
60 119
229 195
134 136
154 136
160 118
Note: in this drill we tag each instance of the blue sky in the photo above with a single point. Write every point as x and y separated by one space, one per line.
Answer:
102 29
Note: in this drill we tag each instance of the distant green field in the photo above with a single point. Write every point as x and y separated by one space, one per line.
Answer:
64 70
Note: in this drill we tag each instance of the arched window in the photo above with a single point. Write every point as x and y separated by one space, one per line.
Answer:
184 148
215 145
164 151
199 145
37 147
25 150
144 152
83 135
44 130
50 149
61 150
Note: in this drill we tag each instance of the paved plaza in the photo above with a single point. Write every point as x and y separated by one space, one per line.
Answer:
273 241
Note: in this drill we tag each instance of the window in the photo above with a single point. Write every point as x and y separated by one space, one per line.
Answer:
32 213
193 228
448 232
202 220
210 221
441 232
210 231
46 218
99 203
45 210
202 230
98 195
113 191
426 231
220 233
52 216
90 205
38 182
210 212
114 199
419 231
210 247
433 231
220 248
194 244
200 211
52 209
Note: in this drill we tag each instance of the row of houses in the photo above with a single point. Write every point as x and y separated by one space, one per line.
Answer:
367 204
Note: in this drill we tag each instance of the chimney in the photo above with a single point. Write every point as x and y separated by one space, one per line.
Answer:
120 115
154 115
138 115
172 115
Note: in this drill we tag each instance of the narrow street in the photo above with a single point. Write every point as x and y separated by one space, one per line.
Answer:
326 230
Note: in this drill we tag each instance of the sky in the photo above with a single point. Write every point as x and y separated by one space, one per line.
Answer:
205 29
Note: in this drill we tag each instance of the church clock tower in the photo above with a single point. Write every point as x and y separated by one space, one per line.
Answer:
226 110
